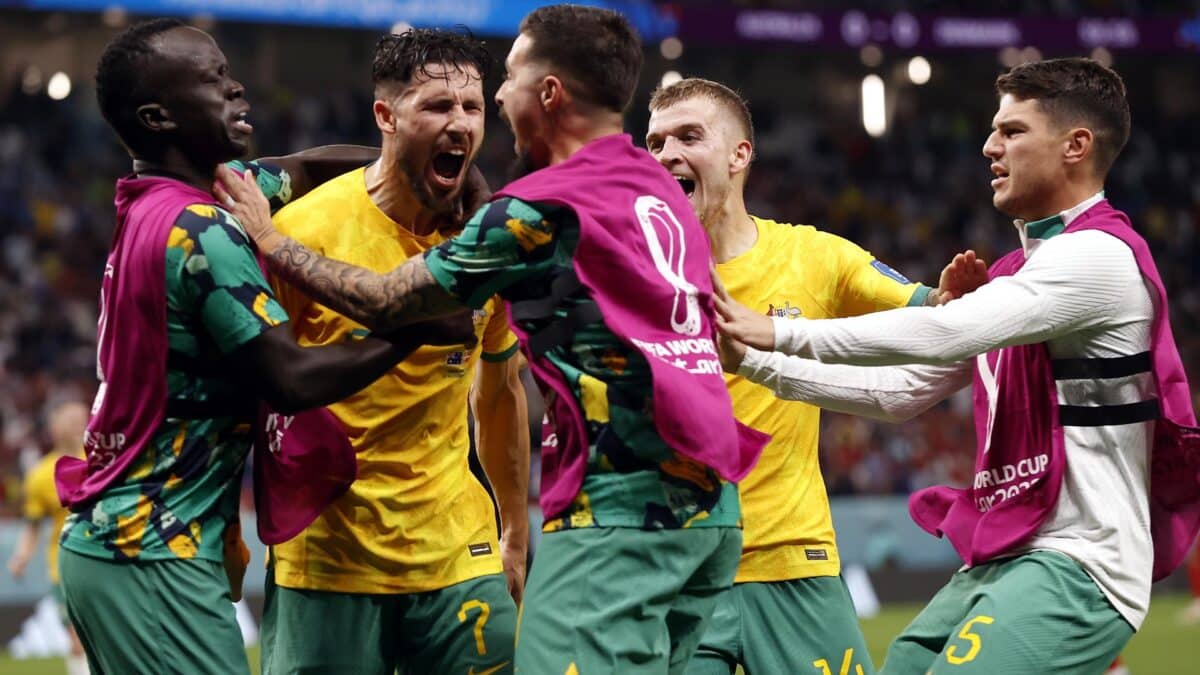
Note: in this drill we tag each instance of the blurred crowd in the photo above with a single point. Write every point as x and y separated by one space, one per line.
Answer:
913 197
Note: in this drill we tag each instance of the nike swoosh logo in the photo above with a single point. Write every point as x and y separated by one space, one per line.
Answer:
489 671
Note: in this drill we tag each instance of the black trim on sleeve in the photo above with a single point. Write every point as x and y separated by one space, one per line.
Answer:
1101 368
1108 415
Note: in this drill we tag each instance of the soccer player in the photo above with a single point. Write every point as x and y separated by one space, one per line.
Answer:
605 269
1077 381
66 424
404 571
789 608
190 338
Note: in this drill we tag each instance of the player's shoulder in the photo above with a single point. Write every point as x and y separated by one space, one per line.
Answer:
204 225
781 235
1095 249
532 223
530 211
305 218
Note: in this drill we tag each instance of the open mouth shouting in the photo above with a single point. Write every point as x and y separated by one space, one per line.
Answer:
688 185
447 168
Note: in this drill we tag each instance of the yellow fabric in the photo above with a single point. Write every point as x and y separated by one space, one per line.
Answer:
41 501
416 519
792 272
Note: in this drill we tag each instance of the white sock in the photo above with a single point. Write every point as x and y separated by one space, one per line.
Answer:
77 664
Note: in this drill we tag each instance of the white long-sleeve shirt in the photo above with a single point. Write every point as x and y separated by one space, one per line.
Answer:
1082 294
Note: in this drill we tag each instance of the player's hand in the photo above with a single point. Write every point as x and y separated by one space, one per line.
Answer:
17 565
236 558
740 322
964 274
514 549
731 352
241 196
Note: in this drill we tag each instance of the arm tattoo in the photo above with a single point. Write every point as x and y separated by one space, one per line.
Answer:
381 302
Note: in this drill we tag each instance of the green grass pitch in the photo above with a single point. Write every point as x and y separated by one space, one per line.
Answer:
1162 647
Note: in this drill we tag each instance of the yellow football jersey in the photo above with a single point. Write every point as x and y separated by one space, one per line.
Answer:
795 271
416 519
41 501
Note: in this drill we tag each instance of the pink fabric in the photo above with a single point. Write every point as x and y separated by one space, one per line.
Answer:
131 337
1026 451
645 260
301 466
302 463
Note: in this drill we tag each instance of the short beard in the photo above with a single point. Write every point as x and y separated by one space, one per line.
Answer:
522 166
420 190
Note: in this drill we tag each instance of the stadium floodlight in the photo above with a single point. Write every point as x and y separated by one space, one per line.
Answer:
115 17
31 80
671 48
874 109
1010 56
919 70
401 27
669 78
59 86
871 56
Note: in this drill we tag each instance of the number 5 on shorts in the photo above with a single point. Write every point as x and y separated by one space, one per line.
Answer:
484 612
966 634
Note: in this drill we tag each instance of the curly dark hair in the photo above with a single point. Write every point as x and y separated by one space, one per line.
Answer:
121 83
399 57
1076 91
596 52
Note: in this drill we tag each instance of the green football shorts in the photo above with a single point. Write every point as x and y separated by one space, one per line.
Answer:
1035 613
464 629
803 626
603 600
162 617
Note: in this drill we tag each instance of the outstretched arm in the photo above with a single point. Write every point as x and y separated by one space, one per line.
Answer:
309 168
1058 291
291 377
890 393
382 302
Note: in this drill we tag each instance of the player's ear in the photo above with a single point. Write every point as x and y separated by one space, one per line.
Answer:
740 157
385 117
552 94
155 117
1078 145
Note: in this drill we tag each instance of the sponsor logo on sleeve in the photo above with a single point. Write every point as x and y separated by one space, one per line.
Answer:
889 272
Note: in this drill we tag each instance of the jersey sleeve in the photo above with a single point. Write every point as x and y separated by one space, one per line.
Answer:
274 182
499 342
221 279
506 242
867 285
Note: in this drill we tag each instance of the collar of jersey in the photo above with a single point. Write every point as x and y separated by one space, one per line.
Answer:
1055 224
